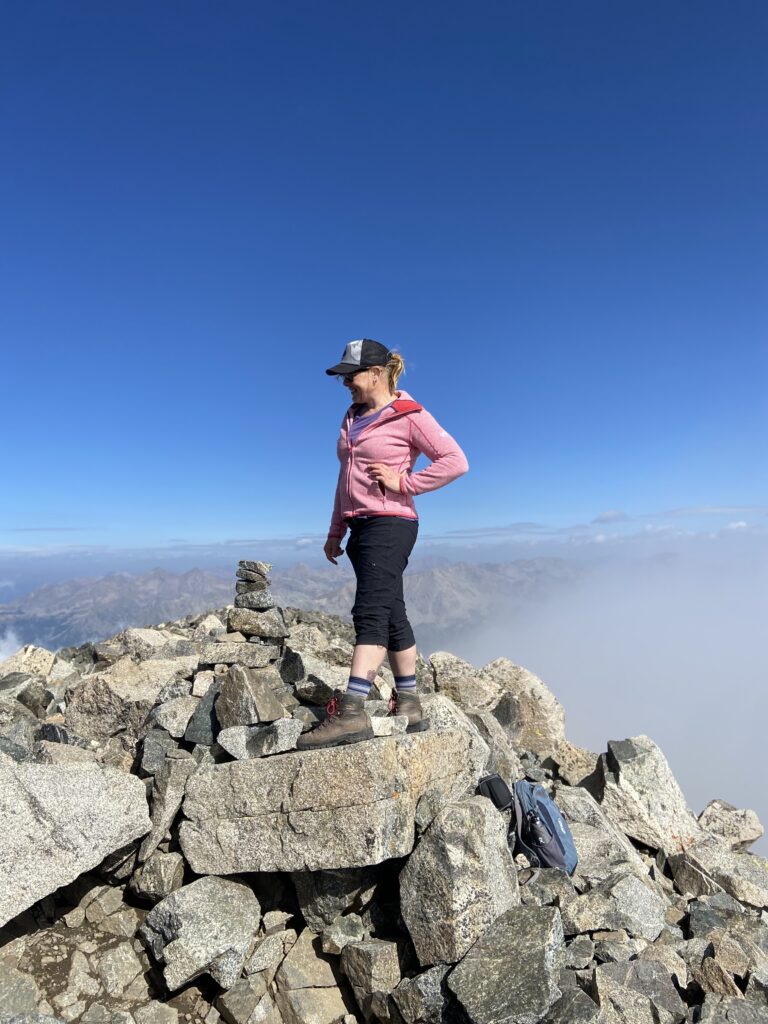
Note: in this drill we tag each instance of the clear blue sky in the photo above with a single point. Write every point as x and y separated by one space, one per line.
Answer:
557 212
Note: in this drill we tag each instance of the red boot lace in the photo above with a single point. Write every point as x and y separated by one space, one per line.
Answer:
332 710
393 703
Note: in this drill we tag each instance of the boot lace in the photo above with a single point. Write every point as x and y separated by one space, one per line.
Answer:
332 711
393 703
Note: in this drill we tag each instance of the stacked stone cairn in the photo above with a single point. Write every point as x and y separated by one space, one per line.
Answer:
167 855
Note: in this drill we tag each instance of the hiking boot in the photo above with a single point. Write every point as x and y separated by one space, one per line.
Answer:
406 702
346 722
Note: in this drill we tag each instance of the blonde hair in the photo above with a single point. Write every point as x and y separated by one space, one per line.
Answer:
394 368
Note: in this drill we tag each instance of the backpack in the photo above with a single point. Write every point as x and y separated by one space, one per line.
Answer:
537 827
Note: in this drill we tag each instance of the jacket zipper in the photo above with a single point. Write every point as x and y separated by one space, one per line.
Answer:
350 446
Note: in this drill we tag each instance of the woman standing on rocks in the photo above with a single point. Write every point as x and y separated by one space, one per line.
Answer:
382 434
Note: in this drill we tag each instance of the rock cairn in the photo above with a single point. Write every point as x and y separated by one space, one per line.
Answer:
168 855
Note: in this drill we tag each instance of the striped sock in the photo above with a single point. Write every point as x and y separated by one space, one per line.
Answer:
405 682
358 686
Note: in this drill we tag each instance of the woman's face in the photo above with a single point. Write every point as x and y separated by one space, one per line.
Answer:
363 385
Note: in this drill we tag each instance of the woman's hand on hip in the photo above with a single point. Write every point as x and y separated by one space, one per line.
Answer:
333 549
385 475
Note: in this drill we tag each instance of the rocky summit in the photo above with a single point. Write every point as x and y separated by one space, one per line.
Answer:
168 855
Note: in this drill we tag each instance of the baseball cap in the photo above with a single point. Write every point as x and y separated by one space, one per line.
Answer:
360 354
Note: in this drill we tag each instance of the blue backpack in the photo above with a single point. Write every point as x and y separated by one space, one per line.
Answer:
537 828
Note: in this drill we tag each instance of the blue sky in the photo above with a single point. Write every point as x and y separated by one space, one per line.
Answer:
558 213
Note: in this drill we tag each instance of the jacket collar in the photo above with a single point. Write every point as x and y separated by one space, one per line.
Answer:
402 404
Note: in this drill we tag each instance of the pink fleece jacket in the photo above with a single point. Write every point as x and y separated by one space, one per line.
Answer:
396 437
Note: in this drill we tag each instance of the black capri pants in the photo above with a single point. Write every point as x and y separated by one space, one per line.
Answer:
378 548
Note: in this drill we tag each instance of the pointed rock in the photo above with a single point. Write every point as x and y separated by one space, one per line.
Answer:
460 878
640 793
531 715
460 681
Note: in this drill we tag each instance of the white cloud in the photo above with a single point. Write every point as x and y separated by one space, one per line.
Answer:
9 644
613 515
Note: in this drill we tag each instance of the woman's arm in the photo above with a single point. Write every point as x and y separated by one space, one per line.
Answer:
448 460
338 527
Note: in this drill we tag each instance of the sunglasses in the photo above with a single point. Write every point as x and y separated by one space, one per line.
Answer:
347 377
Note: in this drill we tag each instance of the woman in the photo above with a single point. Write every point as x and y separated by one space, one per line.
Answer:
382 434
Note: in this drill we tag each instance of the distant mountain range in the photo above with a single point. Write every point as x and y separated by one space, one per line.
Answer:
441 600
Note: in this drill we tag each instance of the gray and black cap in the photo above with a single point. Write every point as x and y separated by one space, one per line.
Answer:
360 354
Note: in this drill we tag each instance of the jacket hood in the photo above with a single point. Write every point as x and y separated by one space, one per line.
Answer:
403 403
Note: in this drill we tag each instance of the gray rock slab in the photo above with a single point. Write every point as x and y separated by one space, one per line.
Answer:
174 715
641 795
573 1007
306 965
621 901
315 680
247 655
159 876
45 752
18 991
96 712
743 875
29 658
529 712
311 1006
460 680
117 967
60 821
257 600
458 880
202 683
727 1010
204 927
238 1004
246 698
648 978
445 716
503 759
269 624
373 968
156 1013
574 764
203 726
18 727
601 846
510 974
344 930
326 895
167 794
253 565
270 952
246 741
739 827
155 745
422 999
292 812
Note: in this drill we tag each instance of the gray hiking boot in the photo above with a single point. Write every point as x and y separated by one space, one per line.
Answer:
346 722
406 702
